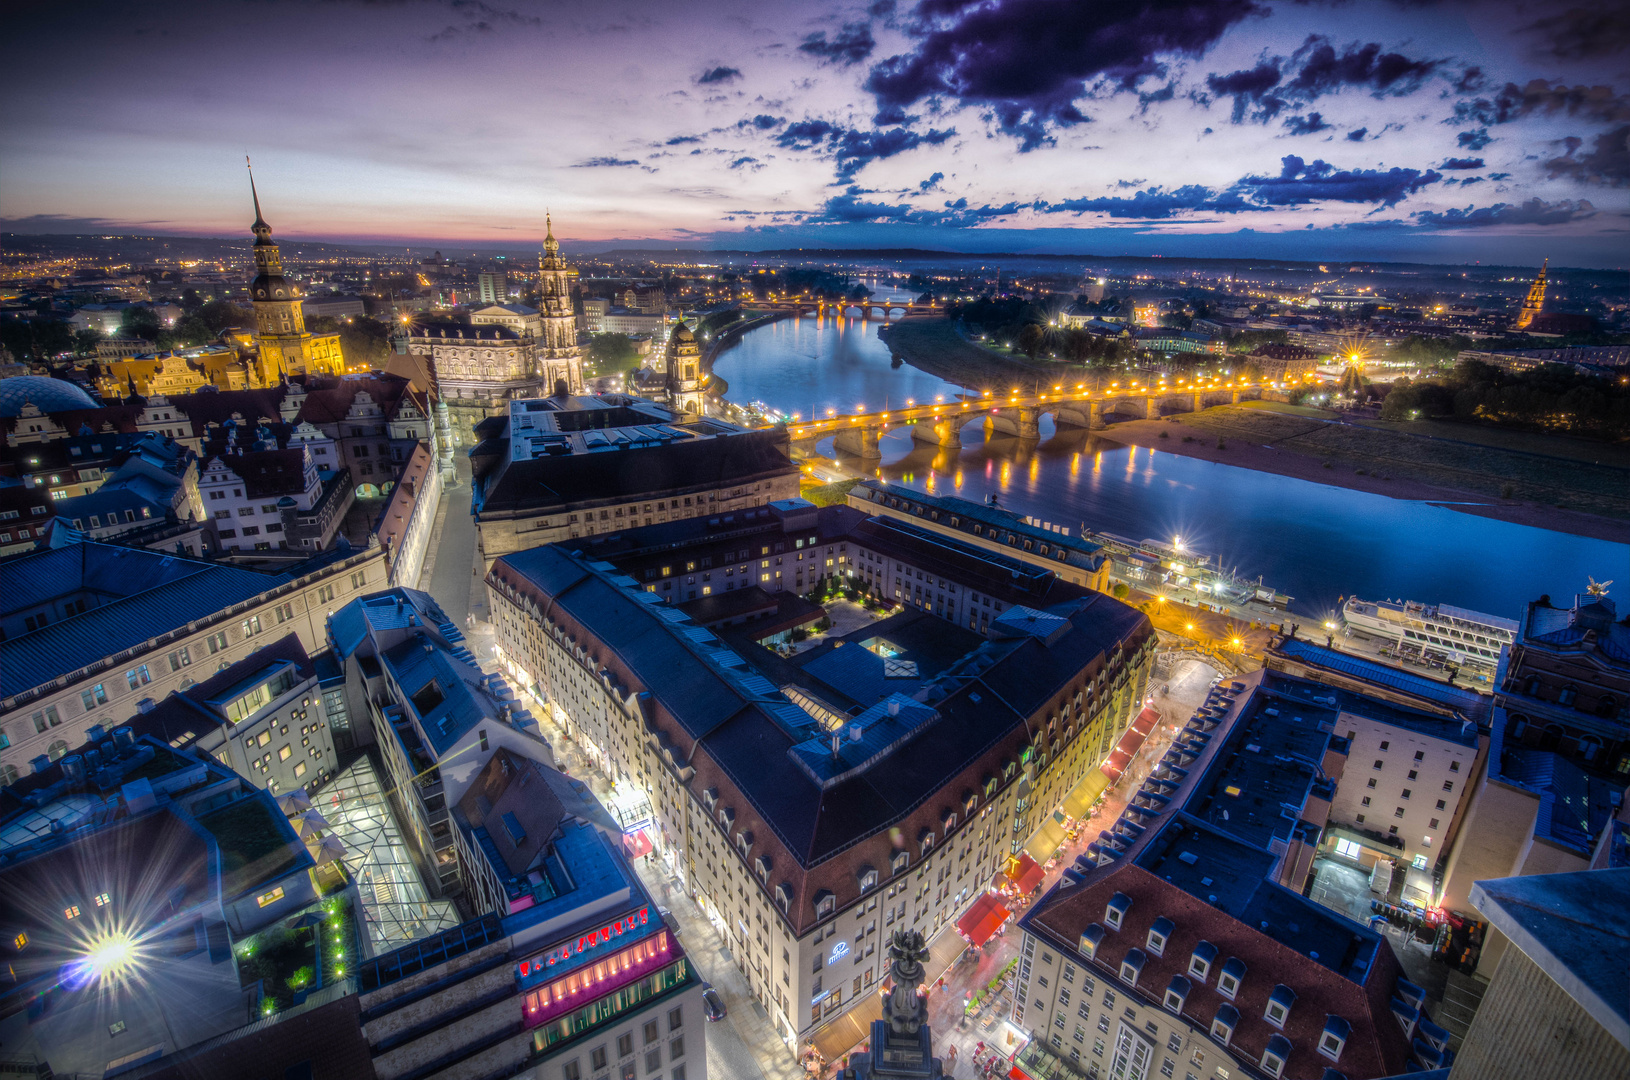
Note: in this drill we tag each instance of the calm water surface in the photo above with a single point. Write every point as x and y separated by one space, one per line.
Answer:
1313 541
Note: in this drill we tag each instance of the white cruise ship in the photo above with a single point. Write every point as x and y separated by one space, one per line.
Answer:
1432 631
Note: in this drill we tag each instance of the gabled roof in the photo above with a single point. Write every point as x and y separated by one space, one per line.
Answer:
511 798
329 401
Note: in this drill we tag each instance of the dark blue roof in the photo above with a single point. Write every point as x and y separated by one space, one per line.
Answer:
1469 703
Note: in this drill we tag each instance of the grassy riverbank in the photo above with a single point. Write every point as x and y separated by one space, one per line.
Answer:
934 346
1559 484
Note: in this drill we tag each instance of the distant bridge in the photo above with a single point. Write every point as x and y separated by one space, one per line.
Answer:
941 422
869 309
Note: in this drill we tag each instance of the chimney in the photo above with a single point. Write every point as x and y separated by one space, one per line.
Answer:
837 741
73 770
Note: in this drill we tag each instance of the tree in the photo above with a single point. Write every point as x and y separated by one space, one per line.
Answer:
191 301
611 353
1030 338
218 315
140 322
363 340
85 341
1352 383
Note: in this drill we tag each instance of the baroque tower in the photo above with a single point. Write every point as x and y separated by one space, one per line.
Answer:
558 358
684 377
1535 303
284 347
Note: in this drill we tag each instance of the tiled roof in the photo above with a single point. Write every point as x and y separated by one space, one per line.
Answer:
1375 1046
267 473
145 594
329 402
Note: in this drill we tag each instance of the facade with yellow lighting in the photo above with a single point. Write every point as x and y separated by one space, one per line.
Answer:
283 345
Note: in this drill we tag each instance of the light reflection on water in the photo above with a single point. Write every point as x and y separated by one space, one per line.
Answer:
1313 541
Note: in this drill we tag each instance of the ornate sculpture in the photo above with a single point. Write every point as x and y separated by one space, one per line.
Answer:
905 1010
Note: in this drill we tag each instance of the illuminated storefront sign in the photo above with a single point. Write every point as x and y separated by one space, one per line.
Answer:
592 940
839 951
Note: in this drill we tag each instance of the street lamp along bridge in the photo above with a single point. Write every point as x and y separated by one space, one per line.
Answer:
940 423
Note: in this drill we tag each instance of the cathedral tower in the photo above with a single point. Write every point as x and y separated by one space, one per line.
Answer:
685 380
1535 303
559 360
281 340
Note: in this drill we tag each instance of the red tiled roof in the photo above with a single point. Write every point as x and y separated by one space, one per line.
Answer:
1376 1045
217 406
330 402
267 472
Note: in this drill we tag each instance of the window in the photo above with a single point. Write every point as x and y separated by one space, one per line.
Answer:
49 718
283 754
1384 745
597 1058
300 769
1448 785
1377 764
19 942
653 1061
676 1048
91 698
103 899
625 1044
1349 849
138 676
675 1020
216 642
71 912
251 625
651 1032
1408 792
265 899
570 1071
1420 862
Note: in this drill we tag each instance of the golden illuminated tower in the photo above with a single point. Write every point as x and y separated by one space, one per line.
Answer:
686 383
282 344
1536 299
559 360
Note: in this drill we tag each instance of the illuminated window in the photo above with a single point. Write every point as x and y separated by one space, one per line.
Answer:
103 899
71 911
270 898
19 942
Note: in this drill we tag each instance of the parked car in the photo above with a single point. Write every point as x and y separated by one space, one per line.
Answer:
712 1004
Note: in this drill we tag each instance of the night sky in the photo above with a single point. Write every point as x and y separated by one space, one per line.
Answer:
1425 130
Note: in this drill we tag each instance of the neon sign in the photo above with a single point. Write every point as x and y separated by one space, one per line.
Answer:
839 951
591 940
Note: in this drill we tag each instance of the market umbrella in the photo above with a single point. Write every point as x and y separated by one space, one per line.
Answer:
309 824
294 802
328 849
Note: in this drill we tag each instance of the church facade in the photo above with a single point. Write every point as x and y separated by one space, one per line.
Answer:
283 346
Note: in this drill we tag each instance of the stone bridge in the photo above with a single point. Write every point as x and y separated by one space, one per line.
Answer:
869 309
941 423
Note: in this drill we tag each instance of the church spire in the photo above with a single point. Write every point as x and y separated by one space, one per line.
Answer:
262 231
551 246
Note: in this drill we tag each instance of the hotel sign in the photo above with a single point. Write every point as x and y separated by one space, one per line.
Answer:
628 924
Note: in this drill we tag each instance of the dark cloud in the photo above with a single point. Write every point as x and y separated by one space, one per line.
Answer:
1251 88
1325 71
604 163
1462 163
762 122
1313 71
1608 161
1474 140
1155 97
931 183
1533 212
1306 125
849 209
680 140
1583 33
1357 134
1471 80
1028 61
718 75
1542 97
892 114
852 148
850 45
743 161
1152 204
1299 182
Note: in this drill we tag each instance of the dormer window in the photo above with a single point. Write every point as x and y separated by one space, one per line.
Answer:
744 842
1279 1003
1177 992
1224 1023
867 878
727 817
825 903
1204 955
1118 906
1159 934
783 897
1228 982
948 819
990 786
710 798
1334 1037
762 866
1090 939
1275 1055
899 861
1132 966
925 840
970 799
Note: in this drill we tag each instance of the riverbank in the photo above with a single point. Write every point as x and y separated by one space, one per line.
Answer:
934 346
1239 450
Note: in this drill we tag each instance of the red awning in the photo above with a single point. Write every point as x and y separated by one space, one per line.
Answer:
981 919
637 843
1025 874
1145 721
1017 1073
1130 743
1116 765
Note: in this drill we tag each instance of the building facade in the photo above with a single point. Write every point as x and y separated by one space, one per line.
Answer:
753 777
283 346
91 630
558 468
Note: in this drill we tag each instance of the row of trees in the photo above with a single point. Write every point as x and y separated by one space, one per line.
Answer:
1549 398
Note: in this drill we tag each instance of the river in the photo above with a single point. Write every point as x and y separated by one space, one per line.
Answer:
1313 541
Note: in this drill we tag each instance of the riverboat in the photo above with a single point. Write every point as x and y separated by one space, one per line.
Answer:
1433 633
